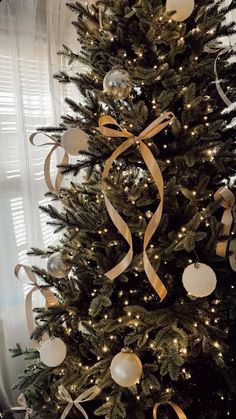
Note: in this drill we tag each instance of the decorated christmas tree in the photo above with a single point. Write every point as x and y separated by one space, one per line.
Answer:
140 293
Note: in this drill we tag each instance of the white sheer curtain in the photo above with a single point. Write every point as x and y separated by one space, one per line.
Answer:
31 32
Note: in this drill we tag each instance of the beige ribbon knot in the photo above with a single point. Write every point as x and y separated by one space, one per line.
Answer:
86 396
156 126
228 219
21 400
50 299
221 51
47 163
179 412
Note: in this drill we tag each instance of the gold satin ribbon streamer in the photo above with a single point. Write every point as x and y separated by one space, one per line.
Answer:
133 9
86 396
221 51
50 299
47 164
21 400
100 16
179 412
156 126
228 219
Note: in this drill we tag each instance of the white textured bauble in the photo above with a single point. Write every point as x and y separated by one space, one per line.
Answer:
56 267
75 140
126 369
199 280
117 83
183 8
52 352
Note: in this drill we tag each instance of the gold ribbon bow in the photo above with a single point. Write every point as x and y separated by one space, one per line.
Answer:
86 396
221 51
228 218
179 412
50 299
23 407
156 126
47 163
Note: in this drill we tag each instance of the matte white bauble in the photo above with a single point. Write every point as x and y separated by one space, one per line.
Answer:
183 8
52 352
56 267
199 280
75 140
126 369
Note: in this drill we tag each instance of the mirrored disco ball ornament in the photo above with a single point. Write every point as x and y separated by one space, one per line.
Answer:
126 368
56 267
117 83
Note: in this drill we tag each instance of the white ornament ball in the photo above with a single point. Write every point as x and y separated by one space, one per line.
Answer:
126 369
56 267
75 140
117 83
52 352
183 8
199 280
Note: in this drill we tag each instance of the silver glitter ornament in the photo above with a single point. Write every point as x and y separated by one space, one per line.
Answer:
56 267
117 83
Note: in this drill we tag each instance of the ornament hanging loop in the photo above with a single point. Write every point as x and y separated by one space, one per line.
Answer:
197 263
126 350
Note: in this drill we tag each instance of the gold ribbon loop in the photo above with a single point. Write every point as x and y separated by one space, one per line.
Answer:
154 221
50 299
86 396
221 51
47 164
179 412
100 17
21 400
228 202
118 221
156 126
